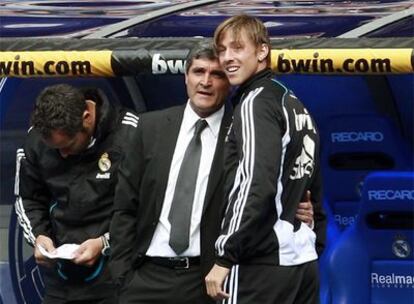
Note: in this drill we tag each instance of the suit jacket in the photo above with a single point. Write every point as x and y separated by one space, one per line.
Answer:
143 177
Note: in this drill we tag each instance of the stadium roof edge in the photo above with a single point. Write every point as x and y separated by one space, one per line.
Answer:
120 26
378 23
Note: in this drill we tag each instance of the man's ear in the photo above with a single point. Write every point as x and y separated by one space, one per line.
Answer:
88 115
186 78
262 52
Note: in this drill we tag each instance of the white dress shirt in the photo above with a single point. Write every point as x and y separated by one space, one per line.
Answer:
160 241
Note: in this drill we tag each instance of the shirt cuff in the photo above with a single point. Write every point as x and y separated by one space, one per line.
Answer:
224 263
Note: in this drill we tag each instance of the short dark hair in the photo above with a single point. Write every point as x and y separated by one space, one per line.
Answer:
203 50
59 107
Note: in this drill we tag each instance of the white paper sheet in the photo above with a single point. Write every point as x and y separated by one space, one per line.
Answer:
66 251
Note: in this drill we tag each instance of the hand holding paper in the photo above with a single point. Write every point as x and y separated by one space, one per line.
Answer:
46 243
88 252
65 251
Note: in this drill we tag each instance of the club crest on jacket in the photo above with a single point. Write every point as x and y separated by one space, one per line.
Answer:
104 162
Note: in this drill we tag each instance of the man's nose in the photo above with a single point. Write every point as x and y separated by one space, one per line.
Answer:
227 55
206 80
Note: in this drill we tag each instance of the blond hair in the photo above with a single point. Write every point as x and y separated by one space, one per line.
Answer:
254 29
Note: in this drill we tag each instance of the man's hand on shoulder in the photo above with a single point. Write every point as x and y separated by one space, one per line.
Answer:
88 252
47 244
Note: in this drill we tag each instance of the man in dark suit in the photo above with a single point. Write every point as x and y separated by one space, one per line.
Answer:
147 179
151 263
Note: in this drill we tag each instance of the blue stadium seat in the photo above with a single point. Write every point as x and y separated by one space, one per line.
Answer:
352 147
372 261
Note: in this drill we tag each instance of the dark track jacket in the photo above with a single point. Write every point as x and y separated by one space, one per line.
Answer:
272 158
71 200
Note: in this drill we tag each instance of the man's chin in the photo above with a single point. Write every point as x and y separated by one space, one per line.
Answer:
234 79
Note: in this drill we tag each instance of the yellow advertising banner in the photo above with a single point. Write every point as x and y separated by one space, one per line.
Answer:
55 64
107 63
342 61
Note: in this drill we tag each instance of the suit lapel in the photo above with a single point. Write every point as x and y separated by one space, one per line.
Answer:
170 128
216 171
